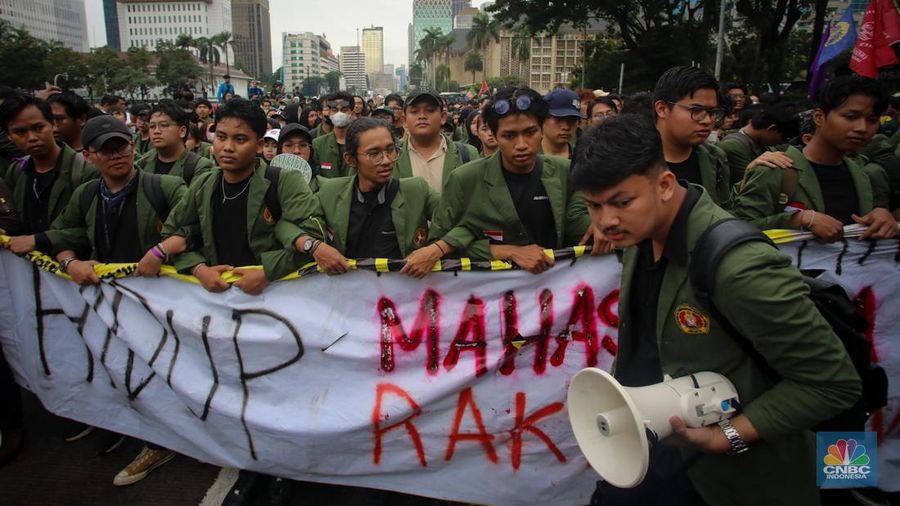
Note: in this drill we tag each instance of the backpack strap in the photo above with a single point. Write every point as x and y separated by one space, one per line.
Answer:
91 189
463 152
711 247
271 200
77 169
190 167
152 185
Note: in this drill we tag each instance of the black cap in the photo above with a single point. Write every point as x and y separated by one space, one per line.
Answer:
101 129
140 110
293 128
426 95
383 110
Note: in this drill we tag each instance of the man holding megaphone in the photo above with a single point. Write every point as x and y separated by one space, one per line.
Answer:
765 454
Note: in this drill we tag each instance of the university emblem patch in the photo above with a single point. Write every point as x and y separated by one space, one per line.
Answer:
691 321
267 215
419 238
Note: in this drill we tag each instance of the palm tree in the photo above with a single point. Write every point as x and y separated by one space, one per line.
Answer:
430 45
484 29
473 64
184 41
208 54
222 40
520 46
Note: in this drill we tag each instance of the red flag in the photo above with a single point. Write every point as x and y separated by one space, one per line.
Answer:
879 29
484 88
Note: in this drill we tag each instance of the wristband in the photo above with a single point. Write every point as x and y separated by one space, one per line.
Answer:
194 269
314 247
158 254
162 250
811 221
440 248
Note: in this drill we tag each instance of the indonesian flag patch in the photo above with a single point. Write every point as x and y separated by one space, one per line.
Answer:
494 235
794 206
325 166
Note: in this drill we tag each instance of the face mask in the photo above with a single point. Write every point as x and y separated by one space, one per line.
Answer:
340 119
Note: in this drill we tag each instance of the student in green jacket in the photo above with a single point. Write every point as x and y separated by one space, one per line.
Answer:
765 454
140 114
168 126
43 182
515 203
769 126
196 141
116 222
372 214
686 104
827 189
427 152
236 214
331 146
562 122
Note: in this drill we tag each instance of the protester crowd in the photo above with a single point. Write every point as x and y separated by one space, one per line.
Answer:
190 183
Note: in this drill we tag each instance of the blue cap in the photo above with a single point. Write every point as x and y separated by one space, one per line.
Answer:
564 103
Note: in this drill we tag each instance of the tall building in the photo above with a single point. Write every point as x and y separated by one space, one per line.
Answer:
62 20
464 19
373 46
111 20
353 66
411 45
252 35
431 14
305 55
143 22
459 5
401 75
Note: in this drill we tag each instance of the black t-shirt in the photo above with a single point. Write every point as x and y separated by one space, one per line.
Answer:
38 187
116 234
641 366
164 167
230 223
688 169
370 231
532 206
838 191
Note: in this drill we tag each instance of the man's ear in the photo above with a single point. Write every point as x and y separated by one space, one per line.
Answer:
666 183
818 117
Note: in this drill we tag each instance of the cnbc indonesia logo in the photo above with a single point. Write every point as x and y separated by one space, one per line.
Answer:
846 460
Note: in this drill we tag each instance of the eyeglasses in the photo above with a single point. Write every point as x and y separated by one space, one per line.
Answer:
294 145
701 113
110 153
376 155
503 106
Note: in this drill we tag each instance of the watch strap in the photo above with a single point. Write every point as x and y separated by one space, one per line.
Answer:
738 445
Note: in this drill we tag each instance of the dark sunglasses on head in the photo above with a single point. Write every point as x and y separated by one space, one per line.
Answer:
503 106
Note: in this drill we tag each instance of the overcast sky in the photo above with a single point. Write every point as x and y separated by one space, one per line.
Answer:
337 19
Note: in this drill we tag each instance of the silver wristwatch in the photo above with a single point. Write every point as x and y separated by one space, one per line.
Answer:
734 438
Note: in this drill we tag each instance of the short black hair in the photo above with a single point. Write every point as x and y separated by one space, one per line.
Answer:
738 86
340 95
782 116
679 82
601 100
109 100
639 103
360 126
173 110
611 152
202 101
838 90
246 111
75 106
538 109
15 104
393 97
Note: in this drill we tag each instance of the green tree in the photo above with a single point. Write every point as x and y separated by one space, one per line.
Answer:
209 54
473 63
22 58
771 25
333 80
483 31
174 64
104 64
415 76
520 47
62 60
442 77
223 40
312 86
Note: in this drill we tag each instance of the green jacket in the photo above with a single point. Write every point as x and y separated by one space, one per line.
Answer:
476 201
203 150
148 163
140 150
73 230
715 173
452 159
62 189
763 296
329 154
298 216
740 150
411 210
763 203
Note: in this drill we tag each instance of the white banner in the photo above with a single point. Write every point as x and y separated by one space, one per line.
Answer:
450 387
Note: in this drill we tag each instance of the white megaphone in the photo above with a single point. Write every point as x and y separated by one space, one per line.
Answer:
615 425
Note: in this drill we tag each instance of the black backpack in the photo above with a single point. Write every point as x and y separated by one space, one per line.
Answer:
830 299
151 184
